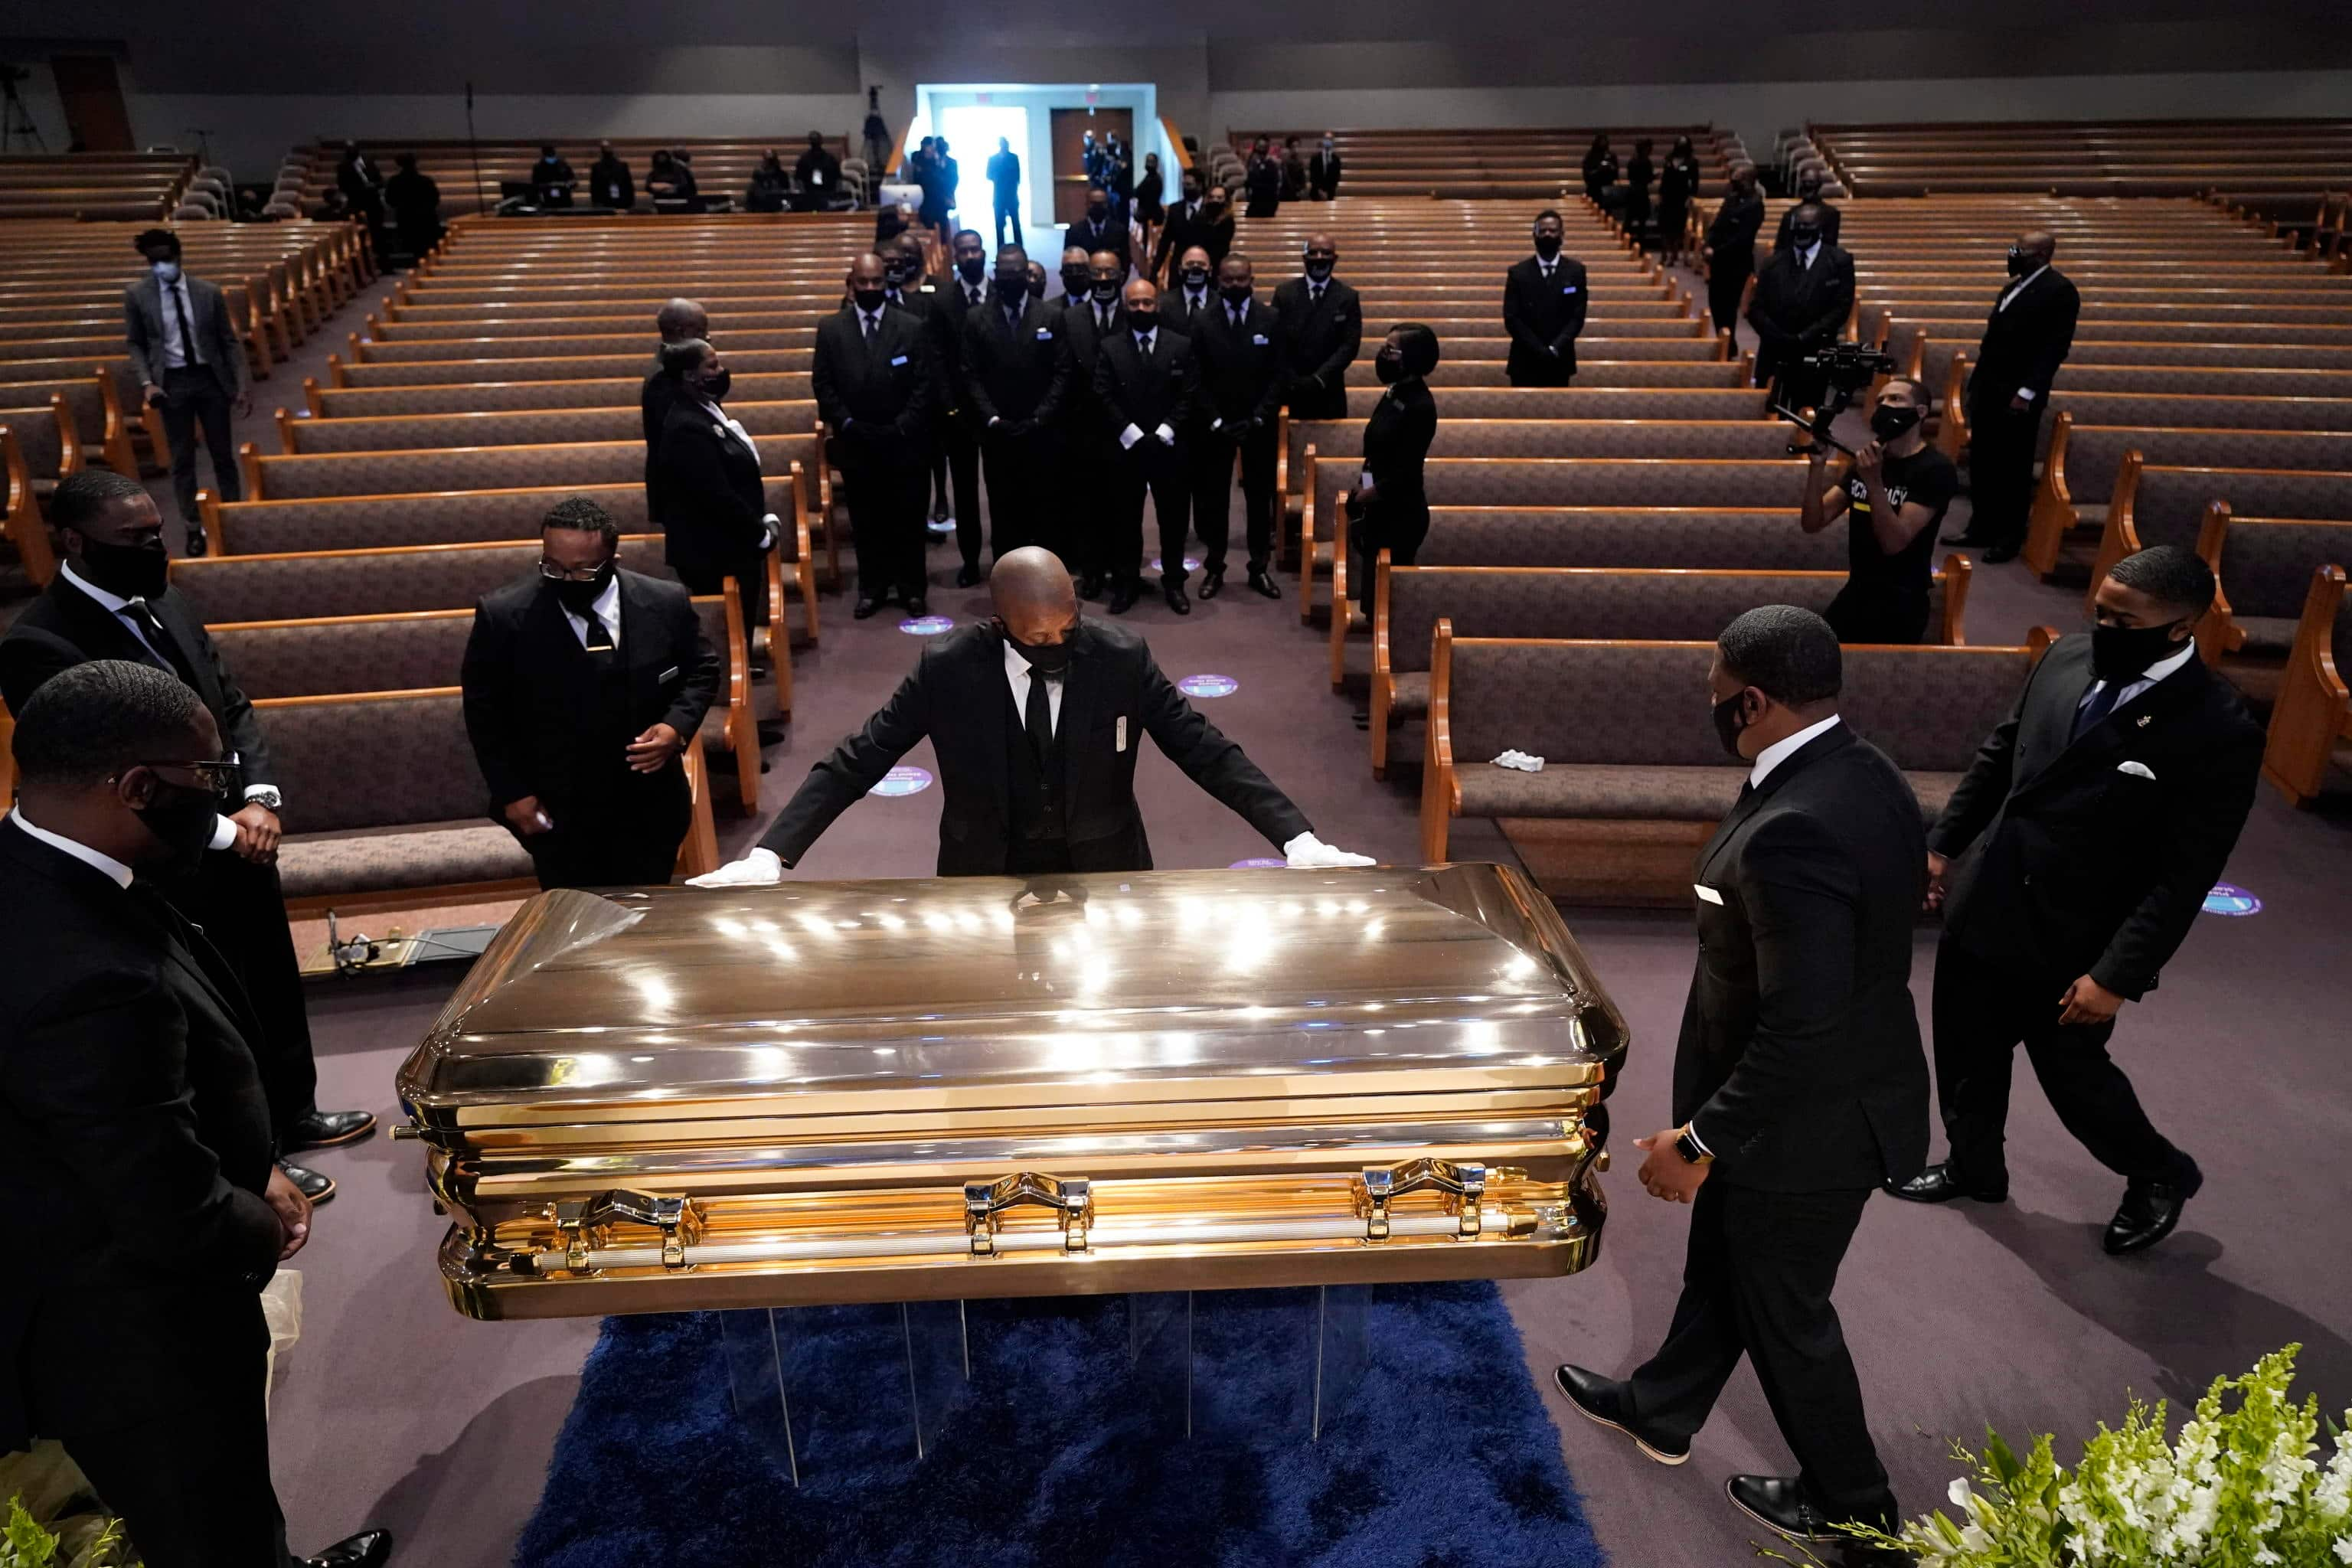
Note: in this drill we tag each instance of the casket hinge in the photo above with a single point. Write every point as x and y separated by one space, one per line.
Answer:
578 1219
1382 1183
1073 1196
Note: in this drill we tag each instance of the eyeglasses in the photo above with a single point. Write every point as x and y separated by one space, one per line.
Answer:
555 574
217 775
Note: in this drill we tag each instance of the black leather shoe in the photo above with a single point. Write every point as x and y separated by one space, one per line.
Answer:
967 575
325 1128
918 605
1776 1503
1601 1401
197 545
1212 585
1263 585
865 607
1173 590
365 1550
1122 599
1090 585
1999 554
316 1185
2150 1211
1938 1185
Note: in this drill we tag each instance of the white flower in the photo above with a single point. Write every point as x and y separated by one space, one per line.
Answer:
1958 1492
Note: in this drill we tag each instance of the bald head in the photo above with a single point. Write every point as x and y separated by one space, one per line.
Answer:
681 319
1030 590
2037 246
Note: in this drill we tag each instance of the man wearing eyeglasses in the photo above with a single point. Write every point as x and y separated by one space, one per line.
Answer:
112 598
583 683
134 1119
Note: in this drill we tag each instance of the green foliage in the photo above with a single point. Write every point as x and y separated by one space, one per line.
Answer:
24 1544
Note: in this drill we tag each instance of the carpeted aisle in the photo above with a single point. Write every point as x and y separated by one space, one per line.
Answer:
1444 1457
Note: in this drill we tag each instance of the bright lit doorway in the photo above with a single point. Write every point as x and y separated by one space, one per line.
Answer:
971 129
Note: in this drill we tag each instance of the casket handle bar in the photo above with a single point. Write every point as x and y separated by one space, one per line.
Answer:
1382 1183
983 1201
578 1218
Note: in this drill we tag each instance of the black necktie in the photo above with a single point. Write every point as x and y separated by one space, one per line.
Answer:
972 296
174 657
871 322
1143 345
599 638
1238 318
187 331
1037 717
2101 703
1102 315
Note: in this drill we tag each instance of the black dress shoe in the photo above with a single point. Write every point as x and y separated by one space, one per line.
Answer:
197 543
1212 585
1090 585
365 1550
1263 585
2150 1211
1173 590
967 575
1999 554
1777 1504
864 608
1122 599
1601 1399
918 605
1938 1185
316 1186
325 1128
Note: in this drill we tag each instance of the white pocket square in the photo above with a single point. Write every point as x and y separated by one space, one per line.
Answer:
2136 770
1706 893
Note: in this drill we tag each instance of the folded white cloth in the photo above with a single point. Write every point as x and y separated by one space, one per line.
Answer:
757 869
1521 760
1309 853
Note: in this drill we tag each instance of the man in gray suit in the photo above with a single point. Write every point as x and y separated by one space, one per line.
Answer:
191 366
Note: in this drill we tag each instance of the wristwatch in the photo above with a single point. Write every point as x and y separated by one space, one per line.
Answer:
1690 1149
263 795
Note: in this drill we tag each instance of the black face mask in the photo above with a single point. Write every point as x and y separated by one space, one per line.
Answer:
1011 286
1141 320
1077 282
1389 367
2124 652
1212 209
1236 294
1191 195
1046 659
1547 245
1320 268
1802 235
184 819
1728 723
1887 422
1096 210
868 300
715 387
581 597
1196 277
898 277
972 267
133 571
1106 290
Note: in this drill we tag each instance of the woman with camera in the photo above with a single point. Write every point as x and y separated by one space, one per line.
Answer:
1893 495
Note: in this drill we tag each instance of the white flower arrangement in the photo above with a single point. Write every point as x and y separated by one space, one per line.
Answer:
2241 1486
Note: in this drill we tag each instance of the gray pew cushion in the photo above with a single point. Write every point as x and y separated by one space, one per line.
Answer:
428 855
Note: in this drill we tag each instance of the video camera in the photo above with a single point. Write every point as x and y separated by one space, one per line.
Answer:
1846 368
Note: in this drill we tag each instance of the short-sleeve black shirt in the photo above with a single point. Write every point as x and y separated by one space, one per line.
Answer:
1926 477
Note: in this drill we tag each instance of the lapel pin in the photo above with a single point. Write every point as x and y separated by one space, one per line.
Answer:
2144 719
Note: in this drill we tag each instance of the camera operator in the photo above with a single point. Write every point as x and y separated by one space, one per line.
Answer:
1894 496
1803 296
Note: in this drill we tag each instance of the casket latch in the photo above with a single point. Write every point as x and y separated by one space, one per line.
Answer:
983 1201
578 1219
1382 1183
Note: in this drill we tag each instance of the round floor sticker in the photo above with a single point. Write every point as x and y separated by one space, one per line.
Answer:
2229 899
1261 862
1158 564
926 625
903 780
1208 686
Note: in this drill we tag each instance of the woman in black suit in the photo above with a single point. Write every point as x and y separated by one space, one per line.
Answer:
1390 509
1600 169
712 505
1678 182
1639 171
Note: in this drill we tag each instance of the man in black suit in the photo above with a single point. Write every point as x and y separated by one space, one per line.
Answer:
874 381
905 288
610 184
1323 170
1089 513
1181 229
1238 343
1729 248
1146 379
1191 294
2078 850
1035 719
964 292
1004 176
583 683
1322 329
1101 231
1809 194
678 321
112 599
191 368
1015 377
817 177
134 1120
1799 1084
1543 310
2025 340
715 519
1803 296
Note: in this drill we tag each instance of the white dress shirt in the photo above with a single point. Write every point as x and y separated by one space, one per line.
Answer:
1547 266
1196 300
178 352
1806 255
1018 675
2009 297
1779 751
2146 679
114 869
608 610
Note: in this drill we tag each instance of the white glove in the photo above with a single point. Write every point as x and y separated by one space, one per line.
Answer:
1521 760
1309 853
759 869
1166 436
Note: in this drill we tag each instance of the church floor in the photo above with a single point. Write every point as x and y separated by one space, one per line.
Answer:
394 1411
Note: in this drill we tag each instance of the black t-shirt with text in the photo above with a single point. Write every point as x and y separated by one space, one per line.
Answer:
1926 477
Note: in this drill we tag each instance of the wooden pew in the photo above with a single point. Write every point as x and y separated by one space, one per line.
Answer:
2310 722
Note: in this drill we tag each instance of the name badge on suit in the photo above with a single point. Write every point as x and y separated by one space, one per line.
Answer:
1258 339
1705 893
668 675
1119 740
1044 335
1568 288
898 360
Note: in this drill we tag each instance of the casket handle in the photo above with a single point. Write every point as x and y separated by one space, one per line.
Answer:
578 1218
1382 1183
983 1201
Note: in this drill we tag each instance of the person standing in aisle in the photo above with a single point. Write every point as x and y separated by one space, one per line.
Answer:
1238 342
1147 380
1543 310
964 292
1389 508
1322 332
1639 173
190 369
1016 377
1323 169
873 382
1005 179
1677 184
2026 340
1599 170
1729 251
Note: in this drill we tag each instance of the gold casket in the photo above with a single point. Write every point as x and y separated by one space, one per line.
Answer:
676 1097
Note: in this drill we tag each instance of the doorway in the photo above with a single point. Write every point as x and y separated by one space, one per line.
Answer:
90 92
972 131
1070 128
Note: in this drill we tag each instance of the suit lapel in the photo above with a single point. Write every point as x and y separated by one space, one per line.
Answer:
2099 746
1751 801
1081 694
99 631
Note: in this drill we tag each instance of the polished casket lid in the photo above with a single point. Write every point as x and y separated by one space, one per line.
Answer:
837 999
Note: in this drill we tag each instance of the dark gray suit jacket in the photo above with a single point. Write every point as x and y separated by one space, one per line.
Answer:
217 345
